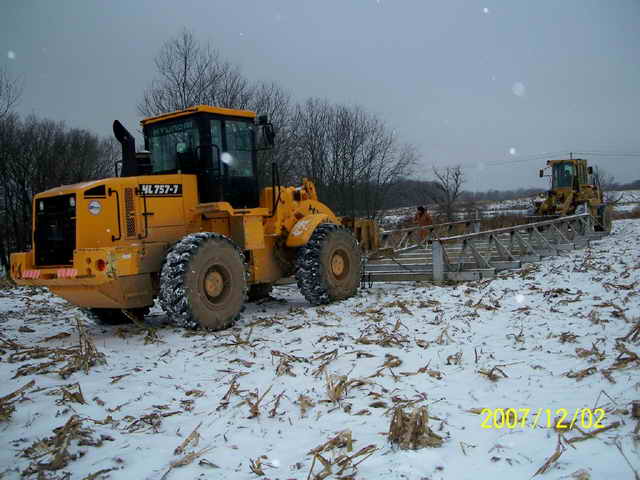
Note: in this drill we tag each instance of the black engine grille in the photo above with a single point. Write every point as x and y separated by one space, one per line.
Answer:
55 235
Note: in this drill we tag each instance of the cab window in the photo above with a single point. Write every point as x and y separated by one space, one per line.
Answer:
239 146
173 146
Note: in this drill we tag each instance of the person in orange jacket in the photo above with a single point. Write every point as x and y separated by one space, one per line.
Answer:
423 219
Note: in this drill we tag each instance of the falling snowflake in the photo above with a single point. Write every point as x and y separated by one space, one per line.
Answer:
518 89
485 10
11 55
512 151
520 298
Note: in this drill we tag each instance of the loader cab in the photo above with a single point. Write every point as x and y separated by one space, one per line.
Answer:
562 175
217 145
569 174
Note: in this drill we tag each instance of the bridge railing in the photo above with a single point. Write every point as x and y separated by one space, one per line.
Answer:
410 238
507 248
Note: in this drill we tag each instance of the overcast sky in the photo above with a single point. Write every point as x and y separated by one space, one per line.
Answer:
468 82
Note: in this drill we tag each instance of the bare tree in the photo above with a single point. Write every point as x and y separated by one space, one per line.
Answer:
270 99
448 189
189 73
351 155
608 184
10 92
35 155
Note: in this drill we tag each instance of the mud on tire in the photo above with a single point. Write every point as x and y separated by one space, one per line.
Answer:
328 267
203 282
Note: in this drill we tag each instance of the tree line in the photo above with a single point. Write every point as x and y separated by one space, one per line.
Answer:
351 155
38 154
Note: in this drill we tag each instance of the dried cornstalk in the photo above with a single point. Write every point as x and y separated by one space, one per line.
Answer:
327 358
411 431
493 373
553 458
57 336
401 305
454 359
254 406
341 440
634 333
391 361
284 368
193 437
233 390
86 355
336 387
588 435
288 357
98 474
256 466
68 395
625 358
443 337
186 460
6 402
56 446
567 337
274 411
305 403
579 375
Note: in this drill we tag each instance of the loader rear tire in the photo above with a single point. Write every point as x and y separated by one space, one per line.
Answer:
203 283
328 266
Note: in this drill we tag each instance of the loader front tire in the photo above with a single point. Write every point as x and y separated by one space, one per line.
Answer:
328 266
203 283
604 219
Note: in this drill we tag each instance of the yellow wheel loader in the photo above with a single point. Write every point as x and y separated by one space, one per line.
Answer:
574 189
187 224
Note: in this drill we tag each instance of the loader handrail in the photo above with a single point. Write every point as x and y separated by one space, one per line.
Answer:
113 237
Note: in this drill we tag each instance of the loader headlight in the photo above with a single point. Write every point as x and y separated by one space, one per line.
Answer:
94 207
72 201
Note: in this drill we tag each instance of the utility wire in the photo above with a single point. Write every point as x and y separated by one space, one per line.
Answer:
544 156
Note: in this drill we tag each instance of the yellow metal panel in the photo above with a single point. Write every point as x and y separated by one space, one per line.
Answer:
303 229
216 225
231 112
127 292
247 231
265 266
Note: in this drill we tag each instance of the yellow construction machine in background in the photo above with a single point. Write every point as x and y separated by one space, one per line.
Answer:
574 189
188 224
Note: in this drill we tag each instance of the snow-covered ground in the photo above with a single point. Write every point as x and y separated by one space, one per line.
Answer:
550 336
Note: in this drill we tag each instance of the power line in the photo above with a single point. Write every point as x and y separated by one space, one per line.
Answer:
544 156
